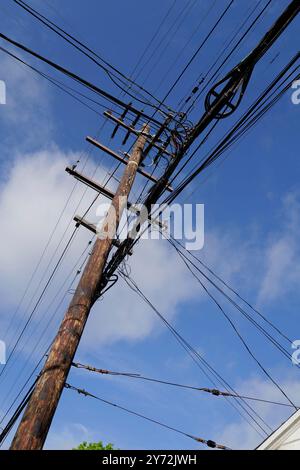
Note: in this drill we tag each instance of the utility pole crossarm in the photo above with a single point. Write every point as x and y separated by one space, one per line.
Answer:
124 160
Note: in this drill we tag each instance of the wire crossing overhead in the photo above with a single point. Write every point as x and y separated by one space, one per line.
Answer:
239 77
208 443
236 81
88 52
33 429
213 391
80 80
123 160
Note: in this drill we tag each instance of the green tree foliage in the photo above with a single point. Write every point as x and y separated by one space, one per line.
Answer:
94 446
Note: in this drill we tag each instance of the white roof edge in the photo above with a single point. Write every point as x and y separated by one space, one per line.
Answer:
282 432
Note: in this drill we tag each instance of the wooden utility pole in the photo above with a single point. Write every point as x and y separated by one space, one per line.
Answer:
33 429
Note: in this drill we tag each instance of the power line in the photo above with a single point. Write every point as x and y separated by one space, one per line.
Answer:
203 364
248 120
235 292
151 41
238 307
56 266
46 247
84 50
52 316
202 78
244 123
188 7
167 35
214 392
65 232
199 48
256 19
62 86
45 329
17 414
199 26
38 302
217 109
208 443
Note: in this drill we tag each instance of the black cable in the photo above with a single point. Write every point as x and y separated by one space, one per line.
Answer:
51 318
181 17
16 414
39 300
199 25
239 308
232 135
256 19
196 357
264 370
235 292
227 141
56 267
213 392
45 329
62 86
202 79
149 44
224 144
166 35
80 80
199 48
79 45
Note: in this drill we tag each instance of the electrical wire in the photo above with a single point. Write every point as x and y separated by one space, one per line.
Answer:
81 47
243 125
208 443
235 292
213 392
248 120
79 79
151 41
203 364
236 330
236 46
166 36
51 317
199 48
199 26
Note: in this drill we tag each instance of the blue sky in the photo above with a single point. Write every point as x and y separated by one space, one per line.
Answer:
252 222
